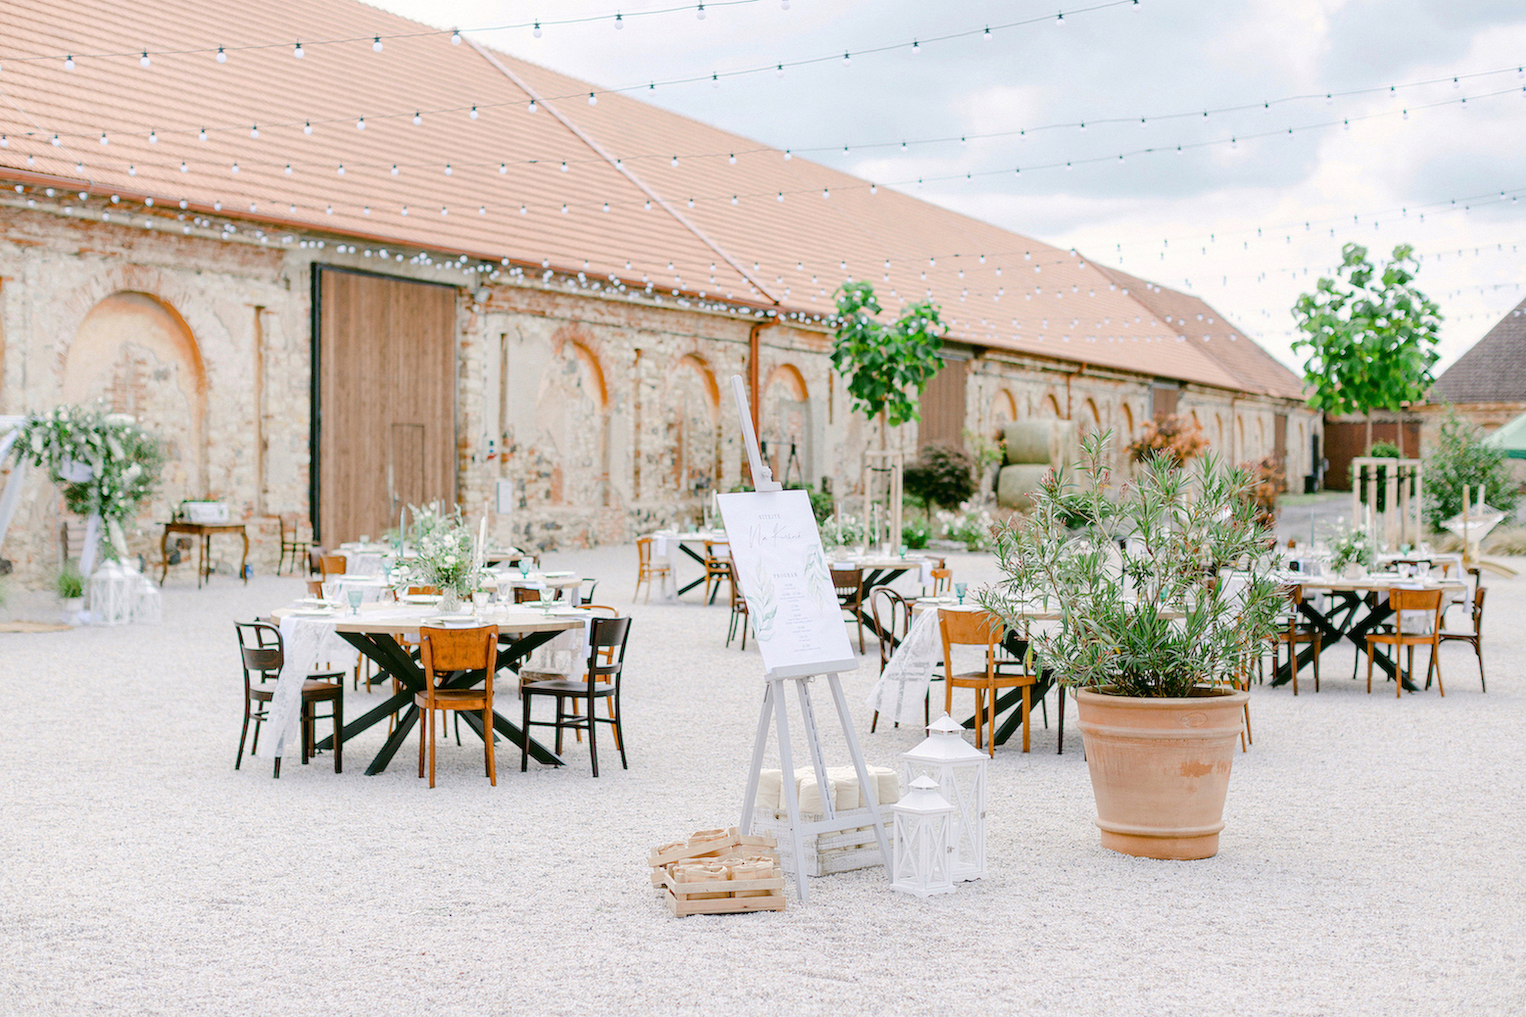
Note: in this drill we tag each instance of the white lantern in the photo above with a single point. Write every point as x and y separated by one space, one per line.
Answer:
923 853
112 590
960 770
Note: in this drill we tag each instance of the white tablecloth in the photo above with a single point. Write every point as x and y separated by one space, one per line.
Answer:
903 685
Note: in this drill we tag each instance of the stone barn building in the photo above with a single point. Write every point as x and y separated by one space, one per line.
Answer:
407 267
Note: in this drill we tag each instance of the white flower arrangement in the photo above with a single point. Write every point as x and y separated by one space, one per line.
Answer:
446 554
973 525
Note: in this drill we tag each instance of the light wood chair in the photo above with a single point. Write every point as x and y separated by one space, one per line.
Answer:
981 628
443 653
291 541
263 654
1295 630
648 569
943 581
1402 600
332 565
601 680
718 566
849 585
1476 637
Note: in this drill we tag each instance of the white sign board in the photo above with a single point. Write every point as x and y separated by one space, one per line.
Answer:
776 551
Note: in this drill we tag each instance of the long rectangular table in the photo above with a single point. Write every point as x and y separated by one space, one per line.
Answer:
1345 619
374 631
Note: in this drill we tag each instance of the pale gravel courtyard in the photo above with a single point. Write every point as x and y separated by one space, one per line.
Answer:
1371 864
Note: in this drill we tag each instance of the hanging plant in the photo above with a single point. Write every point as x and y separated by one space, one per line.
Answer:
105 463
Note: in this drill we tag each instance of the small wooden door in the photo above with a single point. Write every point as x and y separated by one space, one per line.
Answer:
384 414
942 406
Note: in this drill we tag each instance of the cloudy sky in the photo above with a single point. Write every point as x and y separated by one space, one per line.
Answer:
1373 121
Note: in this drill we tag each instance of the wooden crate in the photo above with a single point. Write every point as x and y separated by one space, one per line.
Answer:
735 844
825 853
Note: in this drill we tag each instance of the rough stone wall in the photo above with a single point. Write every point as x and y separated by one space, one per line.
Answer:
600 416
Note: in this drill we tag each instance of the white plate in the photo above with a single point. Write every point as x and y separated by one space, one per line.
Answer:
452 622
312 612
558 575
420 598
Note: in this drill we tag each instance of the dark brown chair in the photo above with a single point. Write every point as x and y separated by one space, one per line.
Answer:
606 660
1476 636
1296 629
444 654
739 616
291 541
849 584
981 628
892 620
526 595
263 653
1401 600
718 566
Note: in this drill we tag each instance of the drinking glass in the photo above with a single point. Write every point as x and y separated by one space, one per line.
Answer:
354 595
365 538
959 589
903 551
330 590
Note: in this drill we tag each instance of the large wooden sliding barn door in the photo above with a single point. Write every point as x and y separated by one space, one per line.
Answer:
384 414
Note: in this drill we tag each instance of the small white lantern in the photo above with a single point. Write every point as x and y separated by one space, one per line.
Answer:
960 770
923 852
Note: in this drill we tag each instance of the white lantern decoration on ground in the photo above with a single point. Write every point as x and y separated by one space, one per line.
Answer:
960 770
113 589
923 852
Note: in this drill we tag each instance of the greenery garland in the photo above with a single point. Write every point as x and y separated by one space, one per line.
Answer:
122 460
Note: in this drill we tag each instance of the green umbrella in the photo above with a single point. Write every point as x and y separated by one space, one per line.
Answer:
1511 438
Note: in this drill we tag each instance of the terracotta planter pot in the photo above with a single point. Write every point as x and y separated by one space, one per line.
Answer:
1160 769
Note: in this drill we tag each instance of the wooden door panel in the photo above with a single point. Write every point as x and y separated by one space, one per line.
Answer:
386 401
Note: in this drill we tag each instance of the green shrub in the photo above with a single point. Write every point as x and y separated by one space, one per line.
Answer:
916 534
70 583
1463 460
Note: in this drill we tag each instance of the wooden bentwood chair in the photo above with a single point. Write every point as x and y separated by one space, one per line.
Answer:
849 585
648 569
444 653
263 654
1476 637
981 628
1296 629
606 660
292 545
718 566
1402 600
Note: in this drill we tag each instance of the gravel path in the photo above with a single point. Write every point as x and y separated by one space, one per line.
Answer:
1371 863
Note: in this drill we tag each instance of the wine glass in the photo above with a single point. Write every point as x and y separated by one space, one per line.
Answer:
330 590
354 595
959 589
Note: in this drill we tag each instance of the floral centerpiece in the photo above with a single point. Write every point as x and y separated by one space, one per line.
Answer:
973 526
1350 547
105 463
1161 597
447 557
842 530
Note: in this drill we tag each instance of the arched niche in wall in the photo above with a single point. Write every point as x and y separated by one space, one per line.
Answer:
571 460
1128 421
1091 418
1049 407
136 352
691 414
785 420
1003 411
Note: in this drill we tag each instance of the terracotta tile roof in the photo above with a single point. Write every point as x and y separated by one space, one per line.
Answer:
605 163
1256 369
1493 370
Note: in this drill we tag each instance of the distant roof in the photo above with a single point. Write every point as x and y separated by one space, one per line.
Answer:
435 143
1493 370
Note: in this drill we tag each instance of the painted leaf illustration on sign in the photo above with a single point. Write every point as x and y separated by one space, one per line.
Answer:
819 582
764 606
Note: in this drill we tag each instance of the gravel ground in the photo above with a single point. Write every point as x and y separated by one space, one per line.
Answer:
1371 863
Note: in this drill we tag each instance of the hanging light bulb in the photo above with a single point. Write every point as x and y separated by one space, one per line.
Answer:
153 138
298 52
536 31
254 131
847 58
779 71
455 38
473 113
715 80
360 124
394 169
288 168
874 189
825 193
788 155
104 139
733 199
307 128
376 45
341 169
144 61
184 168
418 118
448 170
69 62
234 168
503 168
691 202
700 12
593 100
564 165
222 57
781 197
648 206
619 22
523 210
675 161
532 105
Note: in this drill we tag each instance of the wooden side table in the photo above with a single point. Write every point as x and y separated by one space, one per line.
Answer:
204 531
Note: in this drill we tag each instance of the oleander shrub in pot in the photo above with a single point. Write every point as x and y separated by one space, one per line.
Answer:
1164 592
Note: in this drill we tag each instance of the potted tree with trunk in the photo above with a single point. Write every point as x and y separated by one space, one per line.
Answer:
1164 592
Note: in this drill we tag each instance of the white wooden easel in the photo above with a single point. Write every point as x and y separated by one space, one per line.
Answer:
774 714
